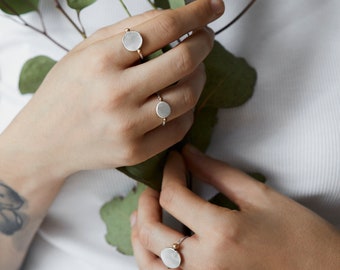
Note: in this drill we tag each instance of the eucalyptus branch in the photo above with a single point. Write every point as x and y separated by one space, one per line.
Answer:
125 8
237 17
152 4
60 8
81 25
23 22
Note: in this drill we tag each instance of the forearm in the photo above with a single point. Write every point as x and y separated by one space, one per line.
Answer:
25 196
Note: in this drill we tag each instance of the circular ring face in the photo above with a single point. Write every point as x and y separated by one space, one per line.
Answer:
132 41
163 109
171 258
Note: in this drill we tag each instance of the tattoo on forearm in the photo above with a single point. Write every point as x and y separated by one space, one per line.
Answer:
11 220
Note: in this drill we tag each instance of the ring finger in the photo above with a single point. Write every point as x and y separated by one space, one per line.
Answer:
181 98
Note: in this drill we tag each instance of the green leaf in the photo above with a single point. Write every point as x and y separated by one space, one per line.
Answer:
80 4
116 215
18 7
201 131
163 4
230 80
33 73
149 172
176 3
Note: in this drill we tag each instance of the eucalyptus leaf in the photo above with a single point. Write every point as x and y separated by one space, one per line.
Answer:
176 3
230 79
163 4
149 172
116 215
18 7
80 4
201 131
33 73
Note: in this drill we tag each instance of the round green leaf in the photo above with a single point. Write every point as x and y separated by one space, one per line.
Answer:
230 80
33 73
116 215
17 7
80 4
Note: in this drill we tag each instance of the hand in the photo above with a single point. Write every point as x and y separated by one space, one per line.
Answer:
270 231
96 108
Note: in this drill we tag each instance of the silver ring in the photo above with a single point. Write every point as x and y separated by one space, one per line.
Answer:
133 41
163 109
170 256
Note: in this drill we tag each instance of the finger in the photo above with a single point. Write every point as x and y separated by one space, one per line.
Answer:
182 97
165 28
144 258
236 185
183 204
168 68
163 137
151 232
111 30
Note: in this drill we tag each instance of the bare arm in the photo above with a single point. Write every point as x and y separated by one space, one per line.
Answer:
25 196
100 116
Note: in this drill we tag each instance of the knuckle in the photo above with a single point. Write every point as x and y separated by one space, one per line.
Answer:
98 62
168 195
229 229
168 23
145 235
190 98
184 62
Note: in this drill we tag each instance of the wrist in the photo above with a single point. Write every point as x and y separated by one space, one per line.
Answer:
26 165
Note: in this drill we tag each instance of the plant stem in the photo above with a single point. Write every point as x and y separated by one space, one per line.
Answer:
80 31
25 23
81 25
125 8
236 18
152 4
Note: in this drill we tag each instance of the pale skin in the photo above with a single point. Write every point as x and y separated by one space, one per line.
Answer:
96 109
270 231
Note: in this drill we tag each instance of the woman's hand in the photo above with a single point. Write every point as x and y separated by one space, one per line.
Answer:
96 108
269 232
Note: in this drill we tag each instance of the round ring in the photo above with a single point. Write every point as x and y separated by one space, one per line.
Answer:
163 109
170 256
132 41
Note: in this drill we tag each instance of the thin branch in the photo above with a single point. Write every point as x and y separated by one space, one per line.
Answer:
25 23
152 4
81 25
237 17
80 31
125 8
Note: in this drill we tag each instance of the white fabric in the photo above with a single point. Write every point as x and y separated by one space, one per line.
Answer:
289 130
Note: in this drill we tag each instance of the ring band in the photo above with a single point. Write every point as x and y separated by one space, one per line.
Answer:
133 41
170 256
163 109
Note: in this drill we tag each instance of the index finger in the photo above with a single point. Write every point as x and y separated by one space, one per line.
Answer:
194 212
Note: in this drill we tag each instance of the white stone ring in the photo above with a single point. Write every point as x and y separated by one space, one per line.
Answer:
132 41
163 109
170 256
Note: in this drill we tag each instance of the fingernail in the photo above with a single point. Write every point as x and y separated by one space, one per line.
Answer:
217 6
133 219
